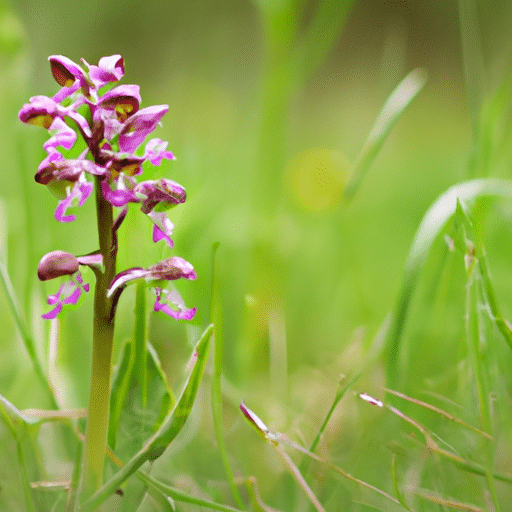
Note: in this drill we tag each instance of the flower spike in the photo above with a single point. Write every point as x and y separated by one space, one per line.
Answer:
113 127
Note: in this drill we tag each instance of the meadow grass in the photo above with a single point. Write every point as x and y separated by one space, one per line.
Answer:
359 310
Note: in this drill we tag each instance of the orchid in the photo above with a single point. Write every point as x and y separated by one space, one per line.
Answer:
109 119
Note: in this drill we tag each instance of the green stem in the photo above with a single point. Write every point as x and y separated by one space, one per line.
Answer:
103 336
477 361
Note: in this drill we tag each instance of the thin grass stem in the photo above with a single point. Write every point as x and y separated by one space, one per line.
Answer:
477 363
394 107
216 319
27 339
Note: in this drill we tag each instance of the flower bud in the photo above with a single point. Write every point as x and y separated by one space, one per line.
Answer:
56 264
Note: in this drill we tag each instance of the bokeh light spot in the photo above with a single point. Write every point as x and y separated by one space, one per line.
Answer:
316 178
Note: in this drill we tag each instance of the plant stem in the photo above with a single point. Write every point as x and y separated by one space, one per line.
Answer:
103 336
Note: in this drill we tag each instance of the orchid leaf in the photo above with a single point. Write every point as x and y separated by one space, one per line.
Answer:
175 420
120 386
168 430
133 418
140 341
126 380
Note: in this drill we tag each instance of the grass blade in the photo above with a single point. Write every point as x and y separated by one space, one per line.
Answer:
477 362
275 439
216 319
28 341
178 495
373 353
439 411
394 107
430 227
72 500
6 411
340 393
490 296
328 21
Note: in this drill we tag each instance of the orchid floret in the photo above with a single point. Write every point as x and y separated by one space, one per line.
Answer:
64 70
139 126
155 151
109 69
61 135
171 303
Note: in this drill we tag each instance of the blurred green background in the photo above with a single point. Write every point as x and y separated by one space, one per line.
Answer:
305 283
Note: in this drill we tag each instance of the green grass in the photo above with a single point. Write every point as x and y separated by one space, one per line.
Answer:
399 287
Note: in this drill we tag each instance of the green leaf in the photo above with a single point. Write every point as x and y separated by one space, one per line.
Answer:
168 430
140 338
175 420
120 387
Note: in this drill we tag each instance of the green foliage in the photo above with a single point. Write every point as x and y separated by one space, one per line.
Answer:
419 257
